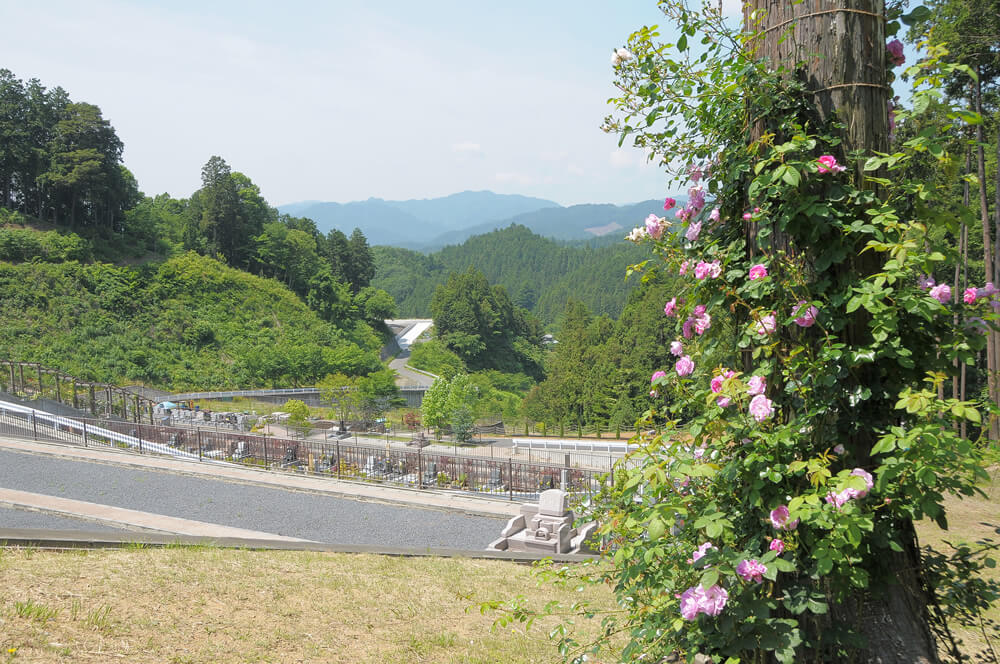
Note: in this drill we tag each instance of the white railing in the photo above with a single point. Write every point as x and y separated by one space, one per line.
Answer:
70 430
609 447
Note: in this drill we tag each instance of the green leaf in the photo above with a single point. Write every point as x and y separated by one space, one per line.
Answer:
709 578
682 43
656 528
917 14
791 176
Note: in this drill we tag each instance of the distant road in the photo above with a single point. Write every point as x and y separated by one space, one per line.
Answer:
407 331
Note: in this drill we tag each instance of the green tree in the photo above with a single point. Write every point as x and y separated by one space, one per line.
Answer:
481 325
342 392
219 211
360 264
298 415
377 394
454 403
84 176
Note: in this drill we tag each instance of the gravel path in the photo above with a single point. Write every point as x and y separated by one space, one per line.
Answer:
283 512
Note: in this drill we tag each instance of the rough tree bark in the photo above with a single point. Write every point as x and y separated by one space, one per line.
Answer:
989 255
838 50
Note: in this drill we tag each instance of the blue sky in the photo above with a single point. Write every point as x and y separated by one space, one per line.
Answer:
342 101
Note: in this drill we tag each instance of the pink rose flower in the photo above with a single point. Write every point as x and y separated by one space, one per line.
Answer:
705 270
688 328
777 545
669 203
653 394
839 450
714 214
761 408
684 366
751 570
683 269
694 173
758 271
988 291
702 323
724 402
867 477
717 381
766 325
696 199
838 499
654 226
694 229
657 374
925 281
756 385
779 519
806 314
941 293
828 164
895 49
696 600
700 552
969 295
676 348
746 216
670 306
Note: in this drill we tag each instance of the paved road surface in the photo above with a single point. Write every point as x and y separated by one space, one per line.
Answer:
272 510
18 518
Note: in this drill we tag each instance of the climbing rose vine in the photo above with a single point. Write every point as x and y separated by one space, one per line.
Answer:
794 473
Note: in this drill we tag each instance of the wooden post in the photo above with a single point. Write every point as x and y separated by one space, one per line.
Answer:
20 371
38 368
58 391
76 403
93 401
838 51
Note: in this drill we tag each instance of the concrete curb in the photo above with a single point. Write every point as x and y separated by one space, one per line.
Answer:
81 539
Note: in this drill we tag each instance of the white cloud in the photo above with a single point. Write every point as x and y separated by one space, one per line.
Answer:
622 158
467 147
516 178
575 169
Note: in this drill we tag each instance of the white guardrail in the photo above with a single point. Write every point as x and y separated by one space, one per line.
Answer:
574 446
72 430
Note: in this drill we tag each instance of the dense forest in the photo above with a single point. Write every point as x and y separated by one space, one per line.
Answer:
540 274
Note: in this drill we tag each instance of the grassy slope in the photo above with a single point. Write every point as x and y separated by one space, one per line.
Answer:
188 322
210 605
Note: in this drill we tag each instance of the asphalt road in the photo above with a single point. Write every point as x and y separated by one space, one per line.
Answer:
283 512
11 517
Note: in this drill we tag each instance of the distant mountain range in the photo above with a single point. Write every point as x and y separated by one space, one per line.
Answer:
431 223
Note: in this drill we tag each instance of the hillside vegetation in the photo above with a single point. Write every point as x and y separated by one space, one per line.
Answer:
540 274
190 322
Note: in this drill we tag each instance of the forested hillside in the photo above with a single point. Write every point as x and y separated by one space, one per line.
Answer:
539 274
190 322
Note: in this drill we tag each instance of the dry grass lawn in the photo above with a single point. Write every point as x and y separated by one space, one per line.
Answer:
212 605
973 521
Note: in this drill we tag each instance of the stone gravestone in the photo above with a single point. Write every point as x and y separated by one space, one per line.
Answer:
544 528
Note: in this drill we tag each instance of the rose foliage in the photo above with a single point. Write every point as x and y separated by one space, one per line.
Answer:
780 490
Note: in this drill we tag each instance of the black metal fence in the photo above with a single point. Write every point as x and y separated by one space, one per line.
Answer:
374 462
